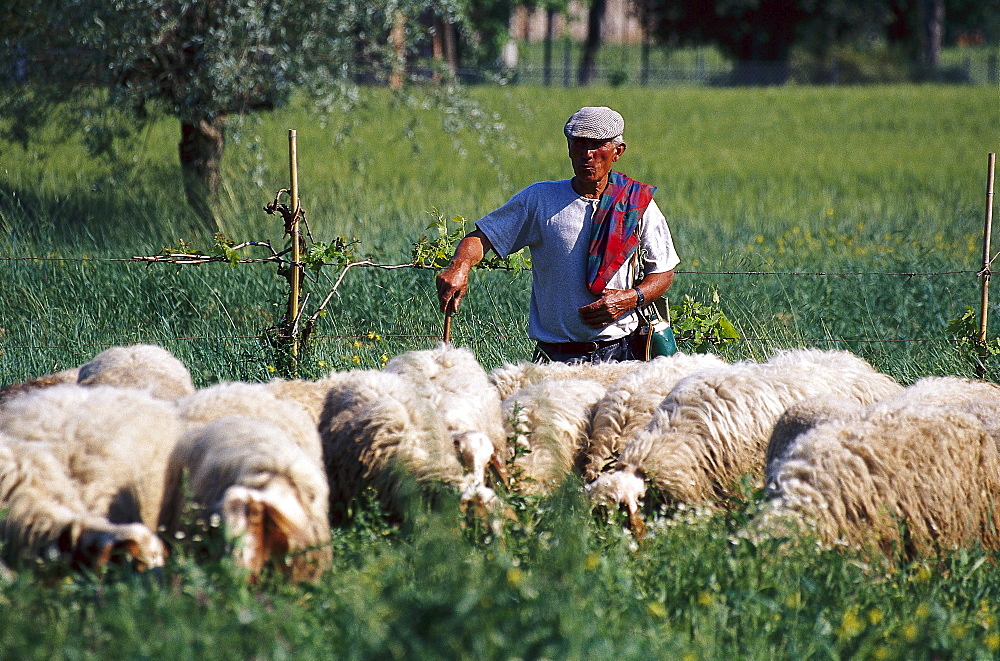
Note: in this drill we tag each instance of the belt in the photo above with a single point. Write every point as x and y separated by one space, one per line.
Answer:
578 347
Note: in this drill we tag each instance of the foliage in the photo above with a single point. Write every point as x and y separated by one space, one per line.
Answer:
701 327
437 252
965 330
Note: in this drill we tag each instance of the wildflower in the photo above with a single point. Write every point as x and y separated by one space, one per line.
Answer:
355 359
829 212
270 368
515 576
923 610
385 358
374 336
705 599
656 609
881 652
875 616
356 344
910 632
321 363
850 624
794 601
590 563
690 656
992 642
958 630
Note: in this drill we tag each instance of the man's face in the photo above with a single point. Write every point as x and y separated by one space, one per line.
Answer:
592 159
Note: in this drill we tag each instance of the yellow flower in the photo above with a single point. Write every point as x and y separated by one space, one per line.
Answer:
923 610
760 238
357 343
910 631
515 576
355 359
829 212
850 624
270 368
958 630
374 336
881 652
656 609
590 563
992 642
690 656
794 601
385 358
875 616
705 599
322 363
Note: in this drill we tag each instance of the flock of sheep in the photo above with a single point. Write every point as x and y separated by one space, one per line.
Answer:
101 461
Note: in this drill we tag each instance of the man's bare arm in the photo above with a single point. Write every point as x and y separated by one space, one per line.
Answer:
454 280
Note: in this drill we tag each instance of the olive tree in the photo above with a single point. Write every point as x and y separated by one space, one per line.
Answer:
116 64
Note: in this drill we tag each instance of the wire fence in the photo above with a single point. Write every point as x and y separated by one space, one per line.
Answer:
206 259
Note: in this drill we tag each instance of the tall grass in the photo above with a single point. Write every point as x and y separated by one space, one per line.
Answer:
849 181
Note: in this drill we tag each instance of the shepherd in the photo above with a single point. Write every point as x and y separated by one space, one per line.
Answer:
600 250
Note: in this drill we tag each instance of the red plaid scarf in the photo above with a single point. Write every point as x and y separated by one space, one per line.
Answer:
613 234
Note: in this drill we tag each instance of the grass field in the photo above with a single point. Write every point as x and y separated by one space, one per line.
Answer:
857 183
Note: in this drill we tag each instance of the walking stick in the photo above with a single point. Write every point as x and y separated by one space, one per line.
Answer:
447 326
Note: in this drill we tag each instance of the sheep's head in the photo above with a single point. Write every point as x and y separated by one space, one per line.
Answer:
477 453
623 489
133 541
266 524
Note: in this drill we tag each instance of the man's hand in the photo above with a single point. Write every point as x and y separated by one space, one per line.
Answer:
451 286
613 304
452 282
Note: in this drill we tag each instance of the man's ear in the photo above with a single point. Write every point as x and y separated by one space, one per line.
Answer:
619 150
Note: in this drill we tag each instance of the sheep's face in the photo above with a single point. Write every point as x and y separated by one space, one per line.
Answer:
476 453
98 546
623 489
265 524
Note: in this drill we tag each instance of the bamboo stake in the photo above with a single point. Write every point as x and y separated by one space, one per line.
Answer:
985 272
447 327
987 231
293 297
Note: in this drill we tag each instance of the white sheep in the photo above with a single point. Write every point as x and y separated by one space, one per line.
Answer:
270 494
83 472
550 423
917 472
141 366
629 403
430 417
8 392
308 394
511 377
713 426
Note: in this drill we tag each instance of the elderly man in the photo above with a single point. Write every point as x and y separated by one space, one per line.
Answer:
582 234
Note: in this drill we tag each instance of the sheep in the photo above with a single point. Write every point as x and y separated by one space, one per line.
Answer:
630 402
713 426
252 400
271 495
429 416
82 472
141 366
309 395
15 389
551 422
916 472
510 378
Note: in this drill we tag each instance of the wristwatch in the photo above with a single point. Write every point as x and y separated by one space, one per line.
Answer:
641 300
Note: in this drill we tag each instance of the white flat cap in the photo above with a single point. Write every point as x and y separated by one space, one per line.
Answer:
594 122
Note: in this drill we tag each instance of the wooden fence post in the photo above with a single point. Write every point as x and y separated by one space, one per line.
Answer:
985 272
295 281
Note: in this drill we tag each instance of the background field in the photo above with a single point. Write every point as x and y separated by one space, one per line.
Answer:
856 183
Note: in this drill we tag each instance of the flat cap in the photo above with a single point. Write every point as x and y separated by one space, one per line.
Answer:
594 122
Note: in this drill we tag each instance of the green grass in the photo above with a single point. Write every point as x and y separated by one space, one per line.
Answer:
852 181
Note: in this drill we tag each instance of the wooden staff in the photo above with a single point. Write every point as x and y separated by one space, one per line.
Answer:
986 247
293 168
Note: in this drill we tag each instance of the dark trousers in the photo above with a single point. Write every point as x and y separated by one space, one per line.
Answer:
630 347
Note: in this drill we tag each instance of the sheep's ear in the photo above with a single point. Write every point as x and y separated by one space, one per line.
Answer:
268 523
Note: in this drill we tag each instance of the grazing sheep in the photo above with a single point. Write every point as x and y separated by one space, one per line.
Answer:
270 494
713 427
429 416
82 471
15 389
141 366
309 395
918 471
510 378
250 400
550 421
629 404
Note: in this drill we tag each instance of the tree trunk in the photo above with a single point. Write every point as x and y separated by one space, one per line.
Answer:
550 14
202 144
588 61
398 40
933 33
